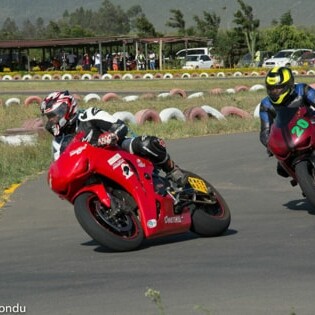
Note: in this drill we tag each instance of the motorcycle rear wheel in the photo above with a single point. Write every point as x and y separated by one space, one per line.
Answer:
305 174
211 219
123 232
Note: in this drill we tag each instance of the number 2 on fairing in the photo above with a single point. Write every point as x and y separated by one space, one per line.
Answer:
300 127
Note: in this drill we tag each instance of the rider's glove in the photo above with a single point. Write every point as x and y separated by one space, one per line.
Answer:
107 139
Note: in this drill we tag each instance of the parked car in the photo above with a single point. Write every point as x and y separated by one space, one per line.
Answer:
246 60
181 54
198 62
307 59
285 57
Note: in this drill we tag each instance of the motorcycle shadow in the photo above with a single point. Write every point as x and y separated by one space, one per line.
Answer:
165 240
300 205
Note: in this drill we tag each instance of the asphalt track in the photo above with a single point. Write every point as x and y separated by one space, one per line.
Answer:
264 264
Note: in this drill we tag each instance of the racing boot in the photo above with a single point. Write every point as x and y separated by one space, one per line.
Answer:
174 173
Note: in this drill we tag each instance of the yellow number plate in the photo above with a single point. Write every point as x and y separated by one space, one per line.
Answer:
198 184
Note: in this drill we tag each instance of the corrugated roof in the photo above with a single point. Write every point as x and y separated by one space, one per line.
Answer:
114 40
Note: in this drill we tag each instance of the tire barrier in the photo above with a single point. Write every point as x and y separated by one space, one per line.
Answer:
168 76
91 96
126 117
46 77
195 113
66 76
130 98
127 76
7 77
33 99
116 76
230 91
204 75
36 77
171 113
164 95
106 76
179 92
213 112
216 91
76 97
110 96
241 88
237 74
221 74
76 77
56 76
148 76
257 87
86 76
185 75
147 115
148 96
195 95
27 134
232 110
27 77
12 101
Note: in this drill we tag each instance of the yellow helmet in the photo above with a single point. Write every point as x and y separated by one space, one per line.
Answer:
279 84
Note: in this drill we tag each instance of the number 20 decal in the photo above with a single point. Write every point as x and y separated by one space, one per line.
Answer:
300 127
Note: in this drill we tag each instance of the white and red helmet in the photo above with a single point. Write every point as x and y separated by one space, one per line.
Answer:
60 108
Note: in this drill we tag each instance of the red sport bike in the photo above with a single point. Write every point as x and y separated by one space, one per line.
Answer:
292 142
120 199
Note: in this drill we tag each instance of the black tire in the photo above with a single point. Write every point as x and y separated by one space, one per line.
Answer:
305 175
92 216
211 220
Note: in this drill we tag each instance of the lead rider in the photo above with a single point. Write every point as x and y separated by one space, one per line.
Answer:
64 120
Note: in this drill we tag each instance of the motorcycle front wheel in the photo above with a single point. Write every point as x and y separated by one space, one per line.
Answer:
305 174
118 231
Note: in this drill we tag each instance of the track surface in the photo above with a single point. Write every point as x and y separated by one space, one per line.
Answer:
265 264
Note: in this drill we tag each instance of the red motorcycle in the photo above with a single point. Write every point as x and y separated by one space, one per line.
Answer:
120 199
292 142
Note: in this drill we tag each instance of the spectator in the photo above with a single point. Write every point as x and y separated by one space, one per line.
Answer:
97 61
140 61
115 62
152 60
72 60
86 62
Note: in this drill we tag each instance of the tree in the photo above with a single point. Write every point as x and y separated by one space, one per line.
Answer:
286 19
208 26
286 37
9 30
247 25
144 27
134 13
111 20
177 21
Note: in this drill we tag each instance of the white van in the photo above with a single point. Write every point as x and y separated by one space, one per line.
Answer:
181 54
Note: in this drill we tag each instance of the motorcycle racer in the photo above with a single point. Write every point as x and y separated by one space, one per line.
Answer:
282 93
64 120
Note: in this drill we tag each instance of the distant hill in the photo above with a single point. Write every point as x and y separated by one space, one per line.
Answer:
158 12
